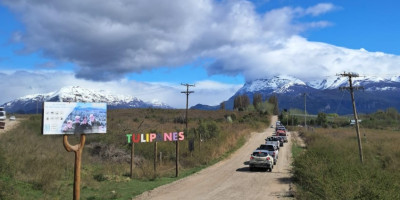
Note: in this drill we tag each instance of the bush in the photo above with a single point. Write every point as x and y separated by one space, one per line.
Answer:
208 130
99 177
179 120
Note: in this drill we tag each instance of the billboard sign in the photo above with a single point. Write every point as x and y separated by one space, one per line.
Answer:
61 118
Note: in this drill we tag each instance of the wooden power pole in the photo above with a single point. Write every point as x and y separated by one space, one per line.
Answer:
352 88
305 110
187 92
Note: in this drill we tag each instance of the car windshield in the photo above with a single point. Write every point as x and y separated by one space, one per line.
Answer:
260 154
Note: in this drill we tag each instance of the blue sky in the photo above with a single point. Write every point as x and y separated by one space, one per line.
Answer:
146 47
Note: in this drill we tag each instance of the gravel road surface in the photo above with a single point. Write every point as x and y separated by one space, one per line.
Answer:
232 179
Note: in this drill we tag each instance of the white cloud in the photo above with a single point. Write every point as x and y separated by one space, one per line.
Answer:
319 9
21 83
108 39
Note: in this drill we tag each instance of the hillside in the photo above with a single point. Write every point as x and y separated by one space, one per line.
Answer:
324 95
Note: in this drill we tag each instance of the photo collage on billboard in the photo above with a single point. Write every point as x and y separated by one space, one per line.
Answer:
74 118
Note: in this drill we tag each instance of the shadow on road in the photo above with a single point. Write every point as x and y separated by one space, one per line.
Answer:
243 169
285 180
247 170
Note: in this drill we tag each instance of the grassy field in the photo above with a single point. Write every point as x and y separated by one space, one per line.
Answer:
330 167
33 166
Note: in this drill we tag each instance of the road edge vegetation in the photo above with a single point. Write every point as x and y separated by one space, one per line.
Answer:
330 167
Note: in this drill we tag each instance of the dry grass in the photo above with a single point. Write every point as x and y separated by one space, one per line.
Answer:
331 168
43 163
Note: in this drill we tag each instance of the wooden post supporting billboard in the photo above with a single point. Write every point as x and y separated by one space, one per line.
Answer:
77 149
63 118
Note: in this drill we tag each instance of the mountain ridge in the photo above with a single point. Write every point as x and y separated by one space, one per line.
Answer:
324 95
32 103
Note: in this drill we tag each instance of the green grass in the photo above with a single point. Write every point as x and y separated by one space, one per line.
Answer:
296 149
331 169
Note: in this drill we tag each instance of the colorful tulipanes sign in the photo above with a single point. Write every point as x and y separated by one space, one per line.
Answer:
155 137
61 118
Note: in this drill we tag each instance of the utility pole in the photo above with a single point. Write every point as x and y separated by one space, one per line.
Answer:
352 88
187 92
305 110
287 122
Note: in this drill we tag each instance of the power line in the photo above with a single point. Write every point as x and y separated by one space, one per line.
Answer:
352 88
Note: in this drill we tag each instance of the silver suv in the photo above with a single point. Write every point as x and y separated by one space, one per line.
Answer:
261 159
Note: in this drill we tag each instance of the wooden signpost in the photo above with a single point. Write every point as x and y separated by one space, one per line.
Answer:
2 125
77 149
66 118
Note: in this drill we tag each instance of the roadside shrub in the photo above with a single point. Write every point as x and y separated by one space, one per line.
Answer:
208 130
99 177
179 120
233 116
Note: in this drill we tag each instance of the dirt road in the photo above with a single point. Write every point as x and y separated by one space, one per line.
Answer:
232 179
9 125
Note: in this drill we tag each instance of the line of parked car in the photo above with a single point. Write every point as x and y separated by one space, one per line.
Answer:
3 115
267 154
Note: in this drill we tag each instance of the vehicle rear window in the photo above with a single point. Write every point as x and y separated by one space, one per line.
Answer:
260 154
1 113
267 147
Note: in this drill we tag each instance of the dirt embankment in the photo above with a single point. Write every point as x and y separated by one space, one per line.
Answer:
232 179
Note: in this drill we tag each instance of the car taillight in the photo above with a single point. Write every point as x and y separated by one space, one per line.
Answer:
267 158
251 157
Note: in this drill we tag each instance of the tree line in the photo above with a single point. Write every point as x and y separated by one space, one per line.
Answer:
242 103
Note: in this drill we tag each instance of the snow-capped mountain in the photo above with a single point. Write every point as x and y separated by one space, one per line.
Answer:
32 103
276 84
284 83
324 95
336 82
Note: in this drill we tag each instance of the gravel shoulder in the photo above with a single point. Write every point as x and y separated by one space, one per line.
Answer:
9 125
232 179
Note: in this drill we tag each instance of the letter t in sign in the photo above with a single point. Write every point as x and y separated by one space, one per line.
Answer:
129 136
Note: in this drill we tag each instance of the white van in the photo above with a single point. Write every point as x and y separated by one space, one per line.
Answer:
3 115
